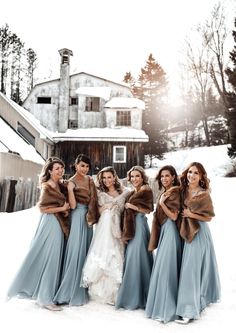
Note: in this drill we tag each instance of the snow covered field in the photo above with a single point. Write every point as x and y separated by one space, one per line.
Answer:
17 230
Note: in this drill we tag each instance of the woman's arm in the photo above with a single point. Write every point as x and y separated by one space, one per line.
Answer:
71 195
136 208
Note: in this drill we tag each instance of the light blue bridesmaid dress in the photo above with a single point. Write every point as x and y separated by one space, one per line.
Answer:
39 275
76 251
138 263
199 283
163 289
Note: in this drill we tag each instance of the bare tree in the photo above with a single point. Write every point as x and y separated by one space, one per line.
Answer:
198 66
214 34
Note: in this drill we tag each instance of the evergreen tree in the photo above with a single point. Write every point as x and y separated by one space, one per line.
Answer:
231 98
32 64
130 80
17 70
6 40
152 90
13 62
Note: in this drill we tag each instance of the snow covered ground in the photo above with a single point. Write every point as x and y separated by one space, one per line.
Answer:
17 230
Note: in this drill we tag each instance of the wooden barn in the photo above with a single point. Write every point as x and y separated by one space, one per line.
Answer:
88 114
121 148
83 113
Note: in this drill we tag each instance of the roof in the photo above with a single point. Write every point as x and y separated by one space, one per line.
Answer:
125 85
10 141
29 117
103 92
121 134
102 134
125 102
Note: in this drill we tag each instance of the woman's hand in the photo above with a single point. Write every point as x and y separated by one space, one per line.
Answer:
163 198
129 205
66 206
186 212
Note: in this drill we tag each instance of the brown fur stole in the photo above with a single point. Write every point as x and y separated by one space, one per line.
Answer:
159 216
200 204
51 198
87 196
143 199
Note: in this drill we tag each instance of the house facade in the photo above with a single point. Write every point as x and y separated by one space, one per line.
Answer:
83 113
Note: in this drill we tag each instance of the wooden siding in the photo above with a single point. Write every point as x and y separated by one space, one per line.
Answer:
101 154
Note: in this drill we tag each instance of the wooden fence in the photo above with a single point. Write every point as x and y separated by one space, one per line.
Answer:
17 195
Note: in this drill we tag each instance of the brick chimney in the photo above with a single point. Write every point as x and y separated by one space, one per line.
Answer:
64 90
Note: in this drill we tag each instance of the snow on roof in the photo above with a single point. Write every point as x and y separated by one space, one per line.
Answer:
101 134
11 141
44 133
103 92
125 102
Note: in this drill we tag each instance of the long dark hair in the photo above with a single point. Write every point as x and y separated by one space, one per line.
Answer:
48 166
204 182
83 158
172 171
101 186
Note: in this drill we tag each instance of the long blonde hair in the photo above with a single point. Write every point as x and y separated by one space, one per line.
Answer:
142 172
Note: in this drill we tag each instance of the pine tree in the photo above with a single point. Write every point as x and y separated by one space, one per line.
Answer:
231 98
13 63
152 90
130 80
32 64
5 43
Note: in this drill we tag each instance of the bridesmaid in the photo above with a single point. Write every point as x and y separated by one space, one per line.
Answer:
83 200
133 291
199 283
163 290
39 274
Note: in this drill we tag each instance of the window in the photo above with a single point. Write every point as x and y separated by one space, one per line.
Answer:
123 118
119 154
27 136
92 104
72 124
44 100
74 101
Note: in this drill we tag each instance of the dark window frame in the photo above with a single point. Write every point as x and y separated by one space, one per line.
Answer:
123 118
44 100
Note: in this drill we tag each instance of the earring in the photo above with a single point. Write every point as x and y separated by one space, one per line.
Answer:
201 183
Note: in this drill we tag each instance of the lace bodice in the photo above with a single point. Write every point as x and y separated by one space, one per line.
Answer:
113 202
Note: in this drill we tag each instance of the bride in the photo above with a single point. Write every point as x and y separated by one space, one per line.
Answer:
103 269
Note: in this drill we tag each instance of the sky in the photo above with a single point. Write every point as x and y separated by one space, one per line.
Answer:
17 230
108 37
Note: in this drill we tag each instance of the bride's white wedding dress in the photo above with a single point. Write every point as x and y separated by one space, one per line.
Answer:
102 272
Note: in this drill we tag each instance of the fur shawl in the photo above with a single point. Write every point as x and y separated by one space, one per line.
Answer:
159 216
51 198
200 204
87 196
143 199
